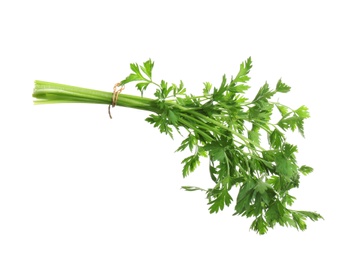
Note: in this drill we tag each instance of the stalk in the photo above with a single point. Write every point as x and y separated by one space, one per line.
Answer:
51 93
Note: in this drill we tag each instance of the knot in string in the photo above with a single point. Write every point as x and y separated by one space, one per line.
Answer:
117 89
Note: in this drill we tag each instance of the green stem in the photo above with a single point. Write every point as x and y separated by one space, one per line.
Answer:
50 93
244 138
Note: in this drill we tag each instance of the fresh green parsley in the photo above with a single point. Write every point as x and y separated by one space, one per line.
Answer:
227 128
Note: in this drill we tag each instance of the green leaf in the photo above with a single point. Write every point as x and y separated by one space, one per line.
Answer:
302 112
213 172
181 90
191 141
257 205
289 150
191 188
300 126
173 117
239 88
288 199
254 134
183 146
275 213
263 94
259 225
223 198
284 166
216 150
282 87
190 164
207 88
201 151
147 68
132 77
223 81
164 89
135 69
219 92
299 219
136 76
244 197
311 215
245 67
283 110
142 86
290 122
269 155
305 170
262 186
160 122
276 182
276 139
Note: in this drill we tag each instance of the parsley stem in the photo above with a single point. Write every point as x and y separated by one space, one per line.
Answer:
244 138
188 124
50 93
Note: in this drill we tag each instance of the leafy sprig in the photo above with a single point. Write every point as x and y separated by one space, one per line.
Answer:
226 127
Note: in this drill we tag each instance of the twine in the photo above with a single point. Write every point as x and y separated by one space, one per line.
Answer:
117 89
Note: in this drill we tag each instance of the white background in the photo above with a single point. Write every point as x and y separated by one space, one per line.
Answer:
76 185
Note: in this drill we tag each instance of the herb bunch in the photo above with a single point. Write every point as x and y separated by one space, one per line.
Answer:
225 127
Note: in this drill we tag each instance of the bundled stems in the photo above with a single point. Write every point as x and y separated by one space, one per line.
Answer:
50 93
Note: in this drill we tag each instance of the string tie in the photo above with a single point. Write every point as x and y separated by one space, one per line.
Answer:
117 89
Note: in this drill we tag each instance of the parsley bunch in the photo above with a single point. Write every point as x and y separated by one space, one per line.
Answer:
225 127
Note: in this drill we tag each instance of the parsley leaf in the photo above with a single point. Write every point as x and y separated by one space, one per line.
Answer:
245 67
217 126
282 87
